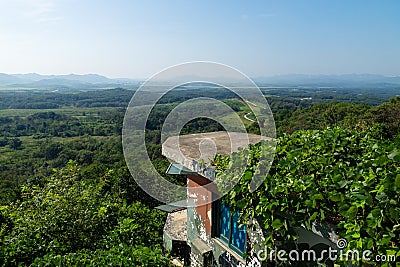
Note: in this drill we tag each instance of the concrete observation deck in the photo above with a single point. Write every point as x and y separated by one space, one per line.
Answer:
196 151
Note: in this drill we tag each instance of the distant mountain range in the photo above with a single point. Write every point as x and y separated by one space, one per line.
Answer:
70 81
95 81
344 80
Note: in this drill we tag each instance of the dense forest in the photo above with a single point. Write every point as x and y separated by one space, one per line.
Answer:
67 197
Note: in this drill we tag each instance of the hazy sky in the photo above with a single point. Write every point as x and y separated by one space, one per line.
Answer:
135 39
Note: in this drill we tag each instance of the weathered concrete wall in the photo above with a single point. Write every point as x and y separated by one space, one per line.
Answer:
199 192
255 242
167 242
197 229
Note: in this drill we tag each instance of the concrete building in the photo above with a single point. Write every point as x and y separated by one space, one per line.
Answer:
207 232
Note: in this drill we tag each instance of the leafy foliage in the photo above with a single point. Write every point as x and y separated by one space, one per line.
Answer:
73 215
347 179
116 256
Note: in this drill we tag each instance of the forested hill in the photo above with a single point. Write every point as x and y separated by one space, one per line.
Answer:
345 115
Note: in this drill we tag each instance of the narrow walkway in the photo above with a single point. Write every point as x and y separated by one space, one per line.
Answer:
247 118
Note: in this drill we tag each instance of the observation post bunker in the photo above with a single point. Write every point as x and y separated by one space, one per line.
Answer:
190 232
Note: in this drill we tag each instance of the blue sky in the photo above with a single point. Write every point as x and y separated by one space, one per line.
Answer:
136 39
